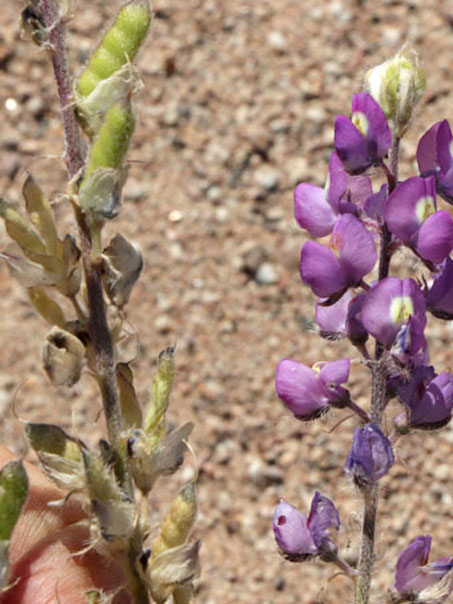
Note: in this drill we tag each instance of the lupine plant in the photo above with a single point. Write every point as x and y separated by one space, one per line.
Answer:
368 214
80 285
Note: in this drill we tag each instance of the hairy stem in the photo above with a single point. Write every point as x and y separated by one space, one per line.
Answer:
367 553
73 144
378 403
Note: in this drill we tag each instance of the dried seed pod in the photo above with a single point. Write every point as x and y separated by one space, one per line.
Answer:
63 357
178 522
40 213
170 569
119 45
156 455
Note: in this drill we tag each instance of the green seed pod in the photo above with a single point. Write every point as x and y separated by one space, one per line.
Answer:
178 522
100 190
13 493
119 45
161 389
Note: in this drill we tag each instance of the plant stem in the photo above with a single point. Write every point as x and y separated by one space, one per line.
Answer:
98 328
73 145
378 403
367 555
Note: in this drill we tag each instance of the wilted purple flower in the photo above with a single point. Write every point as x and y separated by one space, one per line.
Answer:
370 457
363 140
439 300
328 274
395 308
299 538
434 156
414 577
317 210
342 318
308 392
410 214
428 397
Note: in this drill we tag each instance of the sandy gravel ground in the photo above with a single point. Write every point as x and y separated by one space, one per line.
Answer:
238 107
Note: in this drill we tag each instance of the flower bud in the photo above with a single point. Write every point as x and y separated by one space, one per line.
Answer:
397 85
370 457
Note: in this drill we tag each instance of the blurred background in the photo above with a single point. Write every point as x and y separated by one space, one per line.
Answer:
238 106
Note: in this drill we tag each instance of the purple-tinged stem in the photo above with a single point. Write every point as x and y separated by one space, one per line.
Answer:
378 403
73 144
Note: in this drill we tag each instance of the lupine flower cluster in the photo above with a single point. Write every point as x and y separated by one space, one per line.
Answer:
368 215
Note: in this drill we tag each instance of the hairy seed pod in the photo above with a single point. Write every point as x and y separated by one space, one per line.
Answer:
178 522
119 45
100 190
161 389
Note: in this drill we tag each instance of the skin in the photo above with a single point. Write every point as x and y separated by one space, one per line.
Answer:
44 550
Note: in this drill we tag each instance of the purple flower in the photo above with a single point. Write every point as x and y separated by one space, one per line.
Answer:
342 318
299 538
410 214
439 300
414 577
434 156
328 274
317 210
394 311
363 140
428 397
308 392
370 457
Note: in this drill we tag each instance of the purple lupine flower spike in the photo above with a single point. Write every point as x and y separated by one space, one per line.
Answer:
428 398
370 457
309 392
435 156
363 140
329 275
410 214
416 579
299 538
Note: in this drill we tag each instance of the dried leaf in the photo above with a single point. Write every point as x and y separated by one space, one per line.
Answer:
123 263
130 407
40 213
46 306
19 230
